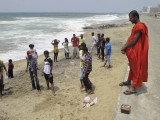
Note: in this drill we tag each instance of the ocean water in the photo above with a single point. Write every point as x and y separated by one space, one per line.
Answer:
18 30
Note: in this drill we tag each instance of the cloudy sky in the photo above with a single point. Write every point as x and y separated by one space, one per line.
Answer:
94 6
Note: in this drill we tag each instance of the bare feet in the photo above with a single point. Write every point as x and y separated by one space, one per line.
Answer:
90 91
54 93
82 89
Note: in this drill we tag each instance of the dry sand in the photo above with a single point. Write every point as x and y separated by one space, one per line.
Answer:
21 103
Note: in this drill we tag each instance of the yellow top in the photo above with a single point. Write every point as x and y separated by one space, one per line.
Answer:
56 48
83 58
3 71
81 40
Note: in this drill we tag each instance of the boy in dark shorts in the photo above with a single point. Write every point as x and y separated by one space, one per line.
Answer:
47 71
10 68
32 64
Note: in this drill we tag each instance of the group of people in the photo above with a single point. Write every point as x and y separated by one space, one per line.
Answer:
136 50
84 55
32 66
78 43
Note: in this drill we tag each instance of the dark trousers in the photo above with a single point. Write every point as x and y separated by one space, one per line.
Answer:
1 84
86 82
102 53
67 55
10 73
33 79
55 56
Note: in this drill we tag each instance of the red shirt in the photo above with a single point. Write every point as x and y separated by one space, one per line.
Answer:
75 41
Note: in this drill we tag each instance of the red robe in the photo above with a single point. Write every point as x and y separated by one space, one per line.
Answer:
138 56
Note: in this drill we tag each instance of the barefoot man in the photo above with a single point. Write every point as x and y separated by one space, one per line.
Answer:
136 50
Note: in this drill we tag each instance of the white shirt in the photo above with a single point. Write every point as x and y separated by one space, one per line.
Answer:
94 40
48 63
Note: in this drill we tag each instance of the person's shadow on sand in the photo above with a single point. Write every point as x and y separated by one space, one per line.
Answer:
56 88
8 91
141 90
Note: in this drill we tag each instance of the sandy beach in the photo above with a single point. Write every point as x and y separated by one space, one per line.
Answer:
21 103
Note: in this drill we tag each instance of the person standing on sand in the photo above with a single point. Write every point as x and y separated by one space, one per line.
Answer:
81 40
66 48
55 43
47 71
136 50
93 41
75 42
82 58
2 71
102 46
10 69
98 45
108 52
32 64
86 71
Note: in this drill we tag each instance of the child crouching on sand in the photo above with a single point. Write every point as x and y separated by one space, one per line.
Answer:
66 48
108 52
47 71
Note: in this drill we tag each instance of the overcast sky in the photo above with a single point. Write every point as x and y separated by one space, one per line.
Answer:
93 6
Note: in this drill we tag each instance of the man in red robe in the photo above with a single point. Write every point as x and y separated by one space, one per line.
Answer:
136 50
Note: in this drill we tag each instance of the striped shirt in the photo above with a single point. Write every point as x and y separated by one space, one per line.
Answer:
88 60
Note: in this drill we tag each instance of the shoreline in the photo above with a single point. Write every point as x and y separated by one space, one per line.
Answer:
18 70
12 55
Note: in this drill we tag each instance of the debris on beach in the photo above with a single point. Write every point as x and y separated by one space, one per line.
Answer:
72 62
90 102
